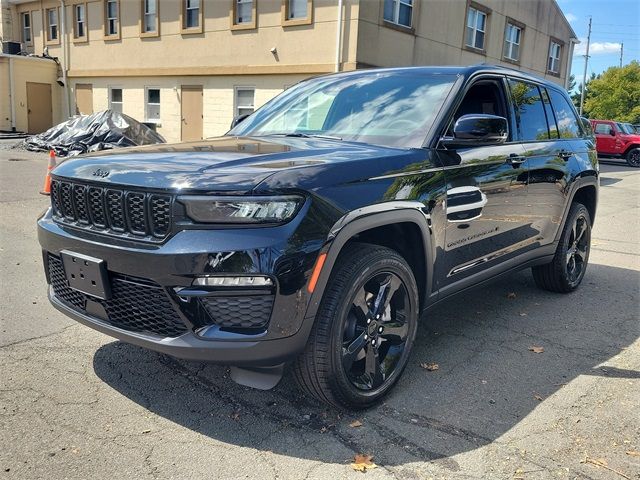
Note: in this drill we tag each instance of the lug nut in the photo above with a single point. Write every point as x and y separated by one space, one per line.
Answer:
380 329
368 321
366 336
373 342
378 317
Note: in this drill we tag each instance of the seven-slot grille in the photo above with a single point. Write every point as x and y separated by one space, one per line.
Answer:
112 210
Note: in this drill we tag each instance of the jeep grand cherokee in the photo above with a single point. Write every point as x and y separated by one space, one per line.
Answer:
318 230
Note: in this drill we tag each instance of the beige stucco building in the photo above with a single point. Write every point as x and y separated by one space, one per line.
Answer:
190 66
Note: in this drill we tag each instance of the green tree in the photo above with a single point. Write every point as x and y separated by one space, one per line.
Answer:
575 96
615 95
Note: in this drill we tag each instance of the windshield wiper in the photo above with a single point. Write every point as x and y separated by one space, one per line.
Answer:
304 135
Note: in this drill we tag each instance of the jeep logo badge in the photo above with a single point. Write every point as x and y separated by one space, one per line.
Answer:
100 173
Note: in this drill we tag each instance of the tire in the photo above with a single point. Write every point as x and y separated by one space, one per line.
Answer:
356 353
633 157
566 271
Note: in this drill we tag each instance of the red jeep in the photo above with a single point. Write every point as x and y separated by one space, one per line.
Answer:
614 139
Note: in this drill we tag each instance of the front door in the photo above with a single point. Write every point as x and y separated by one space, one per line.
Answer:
84 99
486 196
605 137
191 111
39 107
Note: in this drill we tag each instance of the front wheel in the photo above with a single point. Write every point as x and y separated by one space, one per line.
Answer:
566 270
633 157
363 331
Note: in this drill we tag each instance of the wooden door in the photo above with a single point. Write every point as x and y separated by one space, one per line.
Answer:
191 113
84 99
39 107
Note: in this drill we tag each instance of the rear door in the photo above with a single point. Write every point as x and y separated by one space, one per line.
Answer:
485 196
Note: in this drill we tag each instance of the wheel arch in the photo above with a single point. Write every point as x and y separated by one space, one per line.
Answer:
585 191
630 147
373 225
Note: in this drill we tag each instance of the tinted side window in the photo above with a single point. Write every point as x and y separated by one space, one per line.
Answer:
602 128
531 120
568 125
551 119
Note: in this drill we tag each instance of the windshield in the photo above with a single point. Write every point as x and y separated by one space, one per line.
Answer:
624 128
392 108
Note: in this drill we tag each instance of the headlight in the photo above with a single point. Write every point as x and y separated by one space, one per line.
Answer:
243 210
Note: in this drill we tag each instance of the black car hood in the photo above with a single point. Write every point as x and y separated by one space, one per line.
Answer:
229 164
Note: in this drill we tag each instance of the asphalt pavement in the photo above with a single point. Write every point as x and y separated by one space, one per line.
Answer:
77 404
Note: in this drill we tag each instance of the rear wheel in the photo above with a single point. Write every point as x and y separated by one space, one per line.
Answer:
566 270
633 157
364 329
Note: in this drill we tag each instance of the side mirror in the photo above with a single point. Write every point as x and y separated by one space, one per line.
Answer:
478 129
237 120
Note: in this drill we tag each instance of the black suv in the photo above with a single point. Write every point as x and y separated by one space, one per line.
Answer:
319 228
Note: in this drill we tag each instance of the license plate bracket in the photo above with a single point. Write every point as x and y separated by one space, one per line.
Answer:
86 274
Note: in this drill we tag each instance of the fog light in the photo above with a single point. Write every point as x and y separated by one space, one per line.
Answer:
257 281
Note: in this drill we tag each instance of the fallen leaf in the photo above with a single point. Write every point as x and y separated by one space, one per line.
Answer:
601 462
431 367
523 314
362 463
536 349
633 453
355 424
538 397
235 416
324 430
511 295
148 430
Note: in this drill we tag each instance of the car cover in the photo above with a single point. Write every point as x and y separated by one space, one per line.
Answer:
89 133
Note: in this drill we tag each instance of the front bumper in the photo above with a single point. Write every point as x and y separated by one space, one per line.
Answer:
169 268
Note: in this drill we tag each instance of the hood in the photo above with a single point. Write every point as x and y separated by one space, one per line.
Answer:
227 164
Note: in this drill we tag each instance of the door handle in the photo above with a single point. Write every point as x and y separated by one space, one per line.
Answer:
565 155
464 203
515 160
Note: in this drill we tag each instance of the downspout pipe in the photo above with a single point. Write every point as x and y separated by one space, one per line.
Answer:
63 18
338 38
12 94
572 43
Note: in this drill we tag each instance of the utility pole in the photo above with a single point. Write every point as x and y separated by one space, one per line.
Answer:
586 63
621 50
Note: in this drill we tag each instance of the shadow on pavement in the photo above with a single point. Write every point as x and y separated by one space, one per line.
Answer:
487 382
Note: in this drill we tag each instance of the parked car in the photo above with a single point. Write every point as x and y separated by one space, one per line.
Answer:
617 140
317 230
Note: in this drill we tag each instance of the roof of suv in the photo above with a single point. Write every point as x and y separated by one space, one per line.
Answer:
465 71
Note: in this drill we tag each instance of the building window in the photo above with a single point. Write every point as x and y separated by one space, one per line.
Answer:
512 39
191 14
399 12
553 65
297 12
112 15
25 21
152 105
80 21
244 101
52 24
476 28
149 16
243 11
115 99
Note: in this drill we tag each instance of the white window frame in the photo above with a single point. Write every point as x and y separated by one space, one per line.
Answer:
27 37
121 102
77 21
475 28
147 14
50 37
553 62
510 42
186 14
237 4
396 12
116 22
146 105
236 107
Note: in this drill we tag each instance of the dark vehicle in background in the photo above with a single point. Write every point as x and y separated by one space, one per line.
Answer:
316 232
617 140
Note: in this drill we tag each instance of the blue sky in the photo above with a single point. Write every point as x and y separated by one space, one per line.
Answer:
614 22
